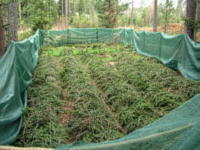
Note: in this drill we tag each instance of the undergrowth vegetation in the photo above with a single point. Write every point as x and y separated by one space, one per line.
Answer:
98 92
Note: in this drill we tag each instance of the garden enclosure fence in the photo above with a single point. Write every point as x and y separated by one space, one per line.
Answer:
178 130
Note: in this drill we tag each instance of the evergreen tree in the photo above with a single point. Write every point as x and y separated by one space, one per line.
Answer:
81 7
168 11
180 10
41 14
109 11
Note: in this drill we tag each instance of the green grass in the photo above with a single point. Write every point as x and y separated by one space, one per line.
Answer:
98 92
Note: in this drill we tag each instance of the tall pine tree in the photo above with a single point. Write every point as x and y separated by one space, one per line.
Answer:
13 20
190 17
2 35
109 11
155 14
81 7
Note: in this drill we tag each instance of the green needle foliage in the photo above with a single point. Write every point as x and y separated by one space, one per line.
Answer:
98 92
41 124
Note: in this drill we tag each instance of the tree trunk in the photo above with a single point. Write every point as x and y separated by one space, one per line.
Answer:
112 12
191 14
109 13
68 9
66 13
155 16
92 14
132 13
20 11
13 20
197 16
198 12
62 1
2 35
72 7
166 19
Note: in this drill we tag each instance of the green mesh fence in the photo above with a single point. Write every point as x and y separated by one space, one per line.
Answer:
179 130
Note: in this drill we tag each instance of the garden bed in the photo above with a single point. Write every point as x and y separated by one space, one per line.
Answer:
98 92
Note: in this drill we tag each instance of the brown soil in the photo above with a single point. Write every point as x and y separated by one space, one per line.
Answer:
65 117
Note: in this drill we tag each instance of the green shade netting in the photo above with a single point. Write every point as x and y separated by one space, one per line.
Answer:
180 129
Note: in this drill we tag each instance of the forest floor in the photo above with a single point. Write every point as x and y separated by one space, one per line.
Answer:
97 92
172 29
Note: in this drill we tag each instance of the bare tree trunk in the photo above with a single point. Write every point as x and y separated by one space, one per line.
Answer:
66 13
62 1
2 35
20 11
13 20
155 16
198 12
132 13
197 15
72 7
191 14
68 9
49 10
112 11
109 12
92 13
166 19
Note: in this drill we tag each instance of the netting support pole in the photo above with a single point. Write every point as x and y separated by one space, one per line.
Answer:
97 35
160 47
68 36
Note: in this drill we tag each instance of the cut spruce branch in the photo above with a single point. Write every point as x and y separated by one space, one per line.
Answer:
98 92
